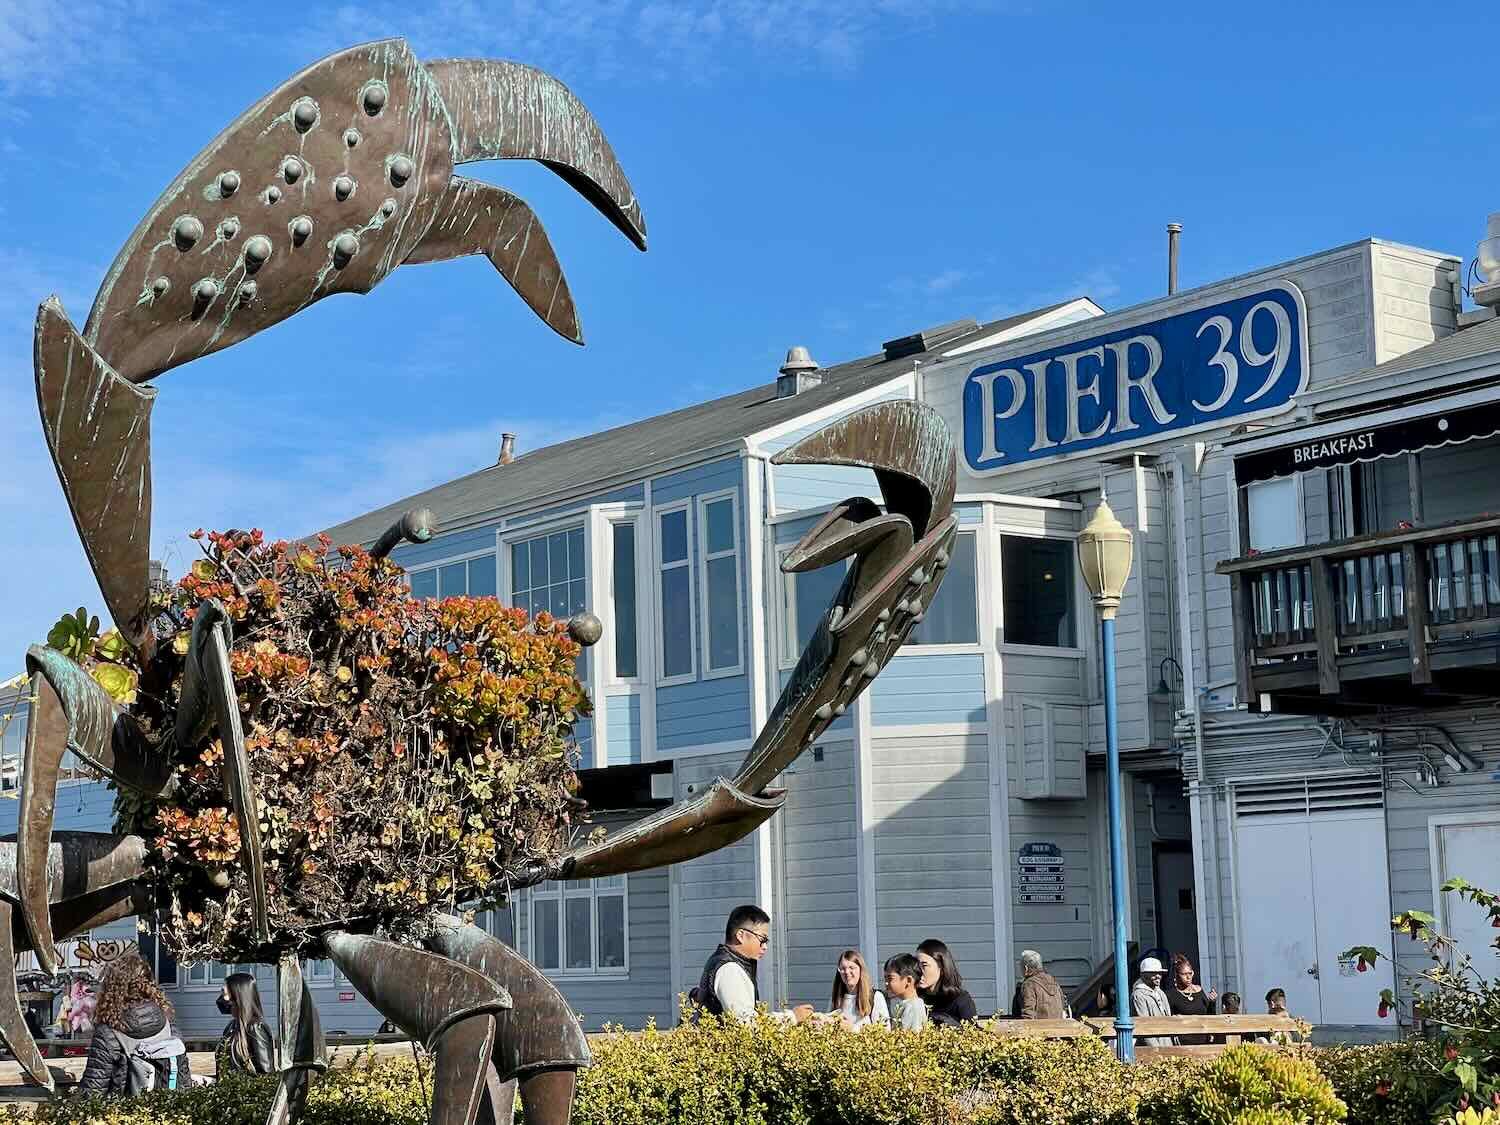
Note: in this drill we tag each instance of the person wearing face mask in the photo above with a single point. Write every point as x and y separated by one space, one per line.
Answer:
247 1042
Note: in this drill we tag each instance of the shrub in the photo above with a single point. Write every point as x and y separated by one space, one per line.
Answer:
1253 1078
1395 1083
405 754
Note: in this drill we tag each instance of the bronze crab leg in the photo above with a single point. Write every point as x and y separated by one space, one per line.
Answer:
538 1042
300 1048
898 561
91 878
476 218
98 430
71 713
507 111
208 699
450 1008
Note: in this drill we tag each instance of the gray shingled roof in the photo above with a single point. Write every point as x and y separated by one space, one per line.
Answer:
1461 345
555 471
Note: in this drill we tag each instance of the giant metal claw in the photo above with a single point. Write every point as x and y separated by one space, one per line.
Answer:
325 186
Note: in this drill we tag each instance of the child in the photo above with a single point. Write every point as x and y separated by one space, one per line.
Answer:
1230 1004
901 975
1276 1002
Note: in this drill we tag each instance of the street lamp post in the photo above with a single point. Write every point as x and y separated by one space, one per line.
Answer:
1104 554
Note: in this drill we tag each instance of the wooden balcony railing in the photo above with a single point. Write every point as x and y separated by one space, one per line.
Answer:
1334 602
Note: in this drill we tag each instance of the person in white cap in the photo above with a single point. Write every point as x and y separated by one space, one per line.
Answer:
1148 999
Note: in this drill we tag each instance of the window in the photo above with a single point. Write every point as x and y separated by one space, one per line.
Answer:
473 577
1275 514
209 974
159 957
319 972
953 616
1037 575
578 927
627 653
719 521
805 599
674 532
547 574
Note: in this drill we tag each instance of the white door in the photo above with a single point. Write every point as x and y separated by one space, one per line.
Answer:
1468 847
1274 886
1351 905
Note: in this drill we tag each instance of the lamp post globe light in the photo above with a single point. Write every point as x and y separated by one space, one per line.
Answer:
1104 554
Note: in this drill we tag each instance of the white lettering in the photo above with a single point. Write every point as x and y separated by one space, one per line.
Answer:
1281 353
987 412
1228 366
1038 370
1076 392
1125 382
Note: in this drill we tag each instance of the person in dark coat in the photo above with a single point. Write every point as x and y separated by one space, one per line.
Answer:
948 1002
247 1045
134 1048
1187 998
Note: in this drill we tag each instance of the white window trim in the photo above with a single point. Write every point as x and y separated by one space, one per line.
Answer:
610 517
914 647
703 559
560 893
660 568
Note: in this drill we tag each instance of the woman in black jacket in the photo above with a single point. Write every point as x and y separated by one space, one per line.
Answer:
247 1041
948 1002
134 1047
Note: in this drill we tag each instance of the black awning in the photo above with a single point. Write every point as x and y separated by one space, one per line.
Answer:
1357 443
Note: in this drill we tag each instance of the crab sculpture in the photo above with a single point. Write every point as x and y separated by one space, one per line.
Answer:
324 186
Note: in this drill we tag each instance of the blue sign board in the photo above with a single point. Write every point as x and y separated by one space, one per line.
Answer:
1241 357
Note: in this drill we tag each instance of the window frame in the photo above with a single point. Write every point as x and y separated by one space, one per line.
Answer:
785 608
508 537
913 647
610 519
703 556
1082 622
560 893
659 568
465 557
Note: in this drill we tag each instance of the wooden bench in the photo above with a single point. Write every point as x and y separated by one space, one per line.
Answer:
1228 1031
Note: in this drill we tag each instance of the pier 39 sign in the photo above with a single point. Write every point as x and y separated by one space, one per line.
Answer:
1236 358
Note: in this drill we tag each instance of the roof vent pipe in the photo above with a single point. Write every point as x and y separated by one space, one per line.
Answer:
507 449
1487 263
1174 234
798 373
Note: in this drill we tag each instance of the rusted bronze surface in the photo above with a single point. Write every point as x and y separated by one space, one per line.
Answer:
416 526
98 429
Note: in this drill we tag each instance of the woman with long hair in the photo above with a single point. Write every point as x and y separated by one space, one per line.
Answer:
855 998
134 1047
247 1042
948 1002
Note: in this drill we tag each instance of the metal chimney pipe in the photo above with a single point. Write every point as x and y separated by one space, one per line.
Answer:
507 448
1174 233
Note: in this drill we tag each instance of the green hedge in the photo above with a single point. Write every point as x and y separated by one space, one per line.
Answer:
767 1074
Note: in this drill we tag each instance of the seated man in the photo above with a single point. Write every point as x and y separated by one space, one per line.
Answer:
728 985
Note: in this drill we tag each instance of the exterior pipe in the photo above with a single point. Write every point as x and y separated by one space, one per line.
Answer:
1174 234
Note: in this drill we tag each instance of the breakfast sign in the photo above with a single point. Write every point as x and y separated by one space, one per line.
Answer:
1230 359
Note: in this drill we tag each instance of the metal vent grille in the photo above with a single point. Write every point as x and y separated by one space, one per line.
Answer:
1309 795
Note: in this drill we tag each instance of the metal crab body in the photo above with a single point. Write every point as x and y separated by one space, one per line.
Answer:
325 186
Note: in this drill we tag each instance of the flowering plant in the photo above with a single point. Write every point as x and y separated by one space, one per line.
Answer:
406 755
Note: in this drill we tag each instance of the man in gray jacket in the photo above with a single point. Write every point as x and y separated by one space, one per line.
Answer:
1041 995
1148 999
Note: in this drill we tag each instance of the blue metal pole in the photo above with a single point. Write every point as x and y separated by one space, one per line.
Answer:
1124 1025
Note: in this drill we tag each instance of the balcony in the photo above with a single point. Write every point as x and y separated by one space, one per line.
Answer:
1401 617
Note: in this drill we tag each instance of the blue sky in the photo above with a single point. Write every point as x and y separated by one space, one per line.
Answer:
820 172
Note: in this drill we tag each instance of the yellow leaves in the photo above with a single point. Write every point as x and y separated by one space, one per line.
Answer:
181 642
343 675
204 570
118 681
